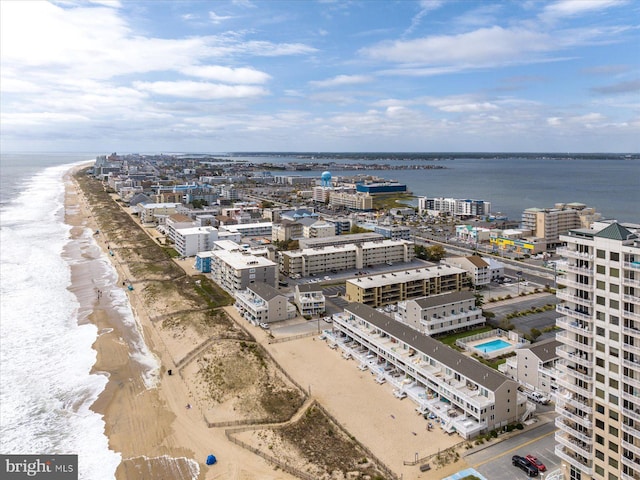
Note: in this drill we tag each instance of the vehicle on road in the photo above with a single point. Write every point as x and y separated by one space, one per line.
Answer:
536 463
537 397
524 465
327 319
265 326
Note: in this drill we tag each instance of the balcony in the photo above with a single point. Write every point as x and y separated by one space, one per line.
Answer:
570 385
564 399
567 353
630 446
581 448
633 465
569 253
633 315
634 432
567 339
566 415
562 295
573 284
579 270
571 325
571 371
632 282
631 298
632 348
634 414
631 381
572 459
572 312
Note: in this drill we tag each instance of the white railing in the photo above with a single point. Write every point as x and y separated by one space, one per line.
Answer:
571 459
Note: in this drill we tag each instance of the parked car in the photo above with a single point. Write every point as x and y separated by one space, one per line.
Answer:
536 463
538 397
265 326
524 465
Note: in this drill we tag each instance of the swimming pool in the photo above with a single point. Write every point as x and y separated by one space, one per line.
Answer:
492 346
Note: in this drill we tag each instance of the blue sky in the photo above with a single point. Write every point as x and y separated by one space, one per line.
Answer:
369 75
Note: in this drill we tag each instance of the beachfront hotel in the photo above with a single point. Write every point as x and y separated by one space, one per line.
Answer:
462 394
598 399
312 261
387 288
235 270
453 206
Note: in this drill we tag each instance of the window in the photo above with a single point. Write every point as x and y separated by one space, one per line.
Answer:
613 447
599 439
613 288
600 393
600 362
613 399
613 431
615 256
599 455
599 424
600 300
614 304
601 269
600 285
601 253
615 336
613 462
614 272
613 415
600 408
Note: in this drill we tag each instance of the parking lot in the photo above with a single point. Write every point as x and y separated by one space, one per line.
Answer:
494 461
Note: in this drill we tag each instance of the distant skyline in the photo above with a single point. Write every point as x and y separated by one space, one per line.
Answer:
333 76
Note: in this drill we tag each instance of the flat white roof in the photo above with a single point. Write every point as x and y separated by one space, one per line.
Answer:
239 260
348 247
404 276
160 205
225 245
246 226
387 242
195 230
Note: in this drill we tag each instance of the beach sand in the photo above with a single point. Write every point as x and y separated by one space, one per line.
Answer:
158 437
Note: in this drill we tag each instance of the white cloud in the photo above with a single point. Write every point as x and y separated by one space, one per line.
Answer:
200 90
571 8
227 74
476 47
341 80
426 6
218 19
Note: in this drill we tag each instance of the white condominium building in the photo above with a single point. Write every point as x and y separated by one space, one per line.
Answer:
344 257
190 241
235 271
453 206
251 229
262 303
465 396
441 313
598 399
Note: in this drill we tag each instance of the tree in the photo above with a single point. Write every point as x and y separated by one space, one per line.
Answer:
357 229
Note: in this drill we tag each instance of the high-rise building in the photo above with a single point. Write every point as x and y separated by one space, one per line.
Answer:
598 399
549 223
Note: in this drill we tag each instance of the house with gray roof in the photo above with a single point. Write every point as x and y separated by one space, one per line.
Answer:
464 395
309 299
534 366
262 303
435 314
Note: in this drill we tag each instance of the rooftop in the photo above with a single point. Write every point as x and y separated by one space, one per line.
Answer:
264 291
240 260
405 276
443 299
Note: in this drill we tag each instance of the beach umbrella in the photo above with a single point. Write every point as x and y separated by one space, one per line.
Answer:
211 459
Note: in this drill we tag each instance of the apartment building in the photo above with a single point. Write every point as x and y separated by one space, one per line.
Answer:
156 212
314 261
355 239
387 288
535 366
286 230
442 313
235 271
598 399
549 223
453 206
251 229
353 201
395 232
262 303
319 229
190 241
309 299
466 396
479 270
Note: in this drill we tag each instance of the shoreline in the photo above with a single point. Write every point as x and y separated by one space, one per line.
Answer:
156 436
151 428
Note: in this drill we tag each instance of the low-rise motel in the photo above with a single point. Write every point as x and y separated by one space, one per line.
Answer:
461 394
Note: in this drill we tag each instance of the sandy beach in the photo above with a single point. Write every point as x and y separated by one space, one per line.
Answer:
152 428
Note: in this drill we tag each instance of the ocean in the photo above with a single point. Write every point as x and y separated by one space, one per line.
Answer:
46 354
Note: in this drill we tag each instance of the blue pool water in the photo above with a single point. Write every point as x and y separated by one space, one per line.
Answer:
492 346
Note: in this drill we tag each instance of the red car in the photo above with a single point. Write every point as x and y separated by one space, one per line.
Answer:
536 463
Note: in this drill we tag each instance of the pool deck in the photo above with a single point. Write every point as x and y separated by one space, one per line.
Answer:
465 473
473 347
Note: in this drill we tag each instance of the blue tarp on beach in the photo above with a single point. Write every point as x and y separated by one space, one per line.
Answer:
211 459
465 473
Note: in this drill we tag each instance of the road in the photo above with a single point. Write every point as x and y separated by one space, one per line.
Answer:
494 462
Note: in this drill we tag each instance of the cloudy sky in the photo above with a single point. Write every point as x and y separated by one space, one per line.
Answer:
320 75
